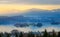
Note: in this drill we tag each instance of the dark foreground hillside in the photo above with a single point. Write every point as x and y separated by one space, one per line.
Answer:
16 33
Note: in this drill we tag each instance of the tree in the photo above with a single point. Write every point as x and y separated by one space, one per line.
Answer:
15 33
58 34
45 33
1 34
30 34
49 35
54 34
37 36
7 34
20 34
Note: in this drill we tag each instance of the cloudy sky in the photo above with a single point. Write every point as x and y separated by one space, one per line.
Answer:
56 2
22 5
16 6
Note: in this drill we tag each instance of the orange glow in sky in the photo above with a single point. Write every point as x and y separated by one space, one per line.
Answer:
6 8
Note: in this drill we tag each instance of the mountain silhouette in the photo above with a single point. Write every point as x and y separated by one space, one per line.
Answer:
32 15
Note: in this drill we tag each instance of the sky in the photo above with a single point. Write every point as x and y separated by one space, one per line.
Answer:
13 6
16 6
56 2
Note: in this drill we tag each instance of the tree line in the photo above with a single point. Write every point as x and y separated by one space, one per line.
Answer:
15 33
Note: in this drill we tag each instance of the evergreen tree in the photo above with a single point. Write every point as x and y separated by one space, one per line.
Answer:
1 34
16 35
54 34
8 35
20 34
58 34
37 36
30 34
49 35
45 33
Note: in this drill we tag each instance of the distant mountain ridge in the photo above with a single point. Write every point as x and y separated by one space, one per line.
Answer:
32 15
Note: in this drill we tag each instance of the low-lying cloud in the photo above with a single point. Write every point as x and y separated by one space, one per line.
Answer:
28 24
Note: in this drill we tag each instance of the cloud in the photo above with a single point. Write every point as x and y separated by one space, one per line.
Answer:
28 25
27 29
10 28
49 28
31 1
